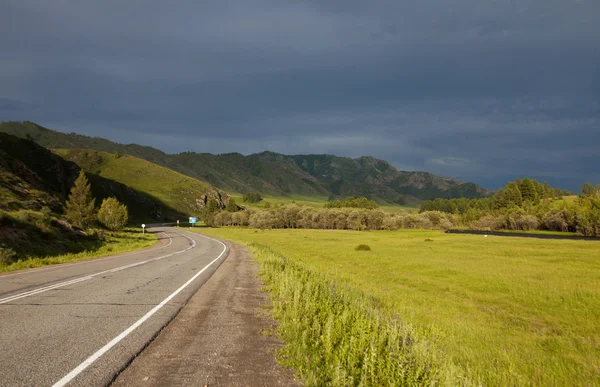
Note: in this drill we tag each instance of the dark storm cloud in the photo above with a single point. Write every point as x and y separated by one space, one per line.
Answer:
475 90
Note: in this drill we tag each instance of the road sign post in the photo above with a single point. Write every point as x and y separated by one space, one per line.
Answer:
143 228
192 221
177 222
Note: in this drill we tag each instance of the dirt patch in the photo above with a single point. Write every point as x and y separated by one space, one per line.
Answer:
218 338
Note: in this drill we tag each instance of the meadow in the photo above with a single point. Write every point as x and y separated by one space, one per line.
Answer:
425 307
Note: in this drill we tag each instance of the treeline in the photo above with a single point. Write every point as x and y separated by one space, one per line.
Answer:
298 216
526 204
352 202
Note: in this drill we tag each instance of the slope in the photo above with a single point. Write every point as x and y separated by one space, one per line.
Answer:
34 185
34 177
181 195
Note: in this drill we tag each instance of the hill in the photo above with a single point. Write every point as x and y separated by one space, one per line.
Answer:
34 186
181 195
324 176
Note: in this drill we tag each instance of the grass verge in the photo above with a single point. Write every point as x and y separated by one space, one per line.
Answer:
113 243
337 335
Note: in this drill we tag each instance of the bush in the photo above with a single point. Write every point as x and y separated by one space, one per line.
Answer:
7 256
555 221
113 214
527 223
252 197
363 247
488 223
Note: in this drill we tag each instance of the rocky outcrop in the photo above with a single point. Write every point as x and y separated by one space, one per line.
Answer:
221 197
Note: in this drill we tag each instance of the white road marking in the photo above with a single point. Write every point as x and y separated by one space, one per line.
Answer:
90 360
90 276
62 265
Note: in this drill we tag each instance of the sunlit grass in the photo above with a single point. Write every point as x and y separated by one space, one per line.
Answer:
505 311
114 243
171 188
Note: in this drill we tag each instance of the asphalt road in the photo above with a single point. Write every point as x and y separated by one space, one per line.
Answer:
80 324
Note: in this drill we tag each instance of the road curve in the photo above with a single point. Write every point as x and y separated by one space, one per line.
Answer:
81 324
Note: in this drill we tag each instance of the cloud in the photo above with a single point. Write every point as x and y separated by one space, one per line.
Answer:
476 90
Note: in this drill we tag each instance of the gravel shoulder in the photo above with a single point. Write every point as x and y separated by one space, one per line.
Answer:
218 338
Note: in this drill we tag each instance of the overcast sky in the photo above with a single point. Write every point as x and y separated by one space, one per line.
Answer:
484 91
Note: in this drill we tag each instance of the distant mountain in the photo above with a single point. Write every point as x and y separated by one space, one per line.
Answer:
276 174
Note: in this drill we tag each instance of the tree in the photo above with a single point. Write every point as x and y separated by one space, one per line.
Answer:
252 197
80 206
210 210
231 206
113 214
528 190
513 194
587 190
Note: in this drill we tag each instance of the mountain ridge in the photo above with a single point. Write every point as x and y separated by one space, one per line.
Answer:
276 174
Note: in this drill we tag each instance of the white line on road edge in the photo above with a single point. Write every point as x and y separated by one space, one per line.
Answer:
90 276
63 265
90 360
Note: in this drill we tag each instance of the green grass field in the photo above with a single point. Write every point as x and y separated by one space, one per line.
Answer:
504 311
115 242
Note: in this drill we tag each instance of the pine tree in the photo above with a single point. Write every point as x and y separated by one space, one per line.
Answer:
80 206
113 214
587 190
528 190
513 194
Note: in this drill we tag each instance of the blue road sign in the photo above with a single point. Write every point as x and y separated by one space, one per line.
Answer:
192 220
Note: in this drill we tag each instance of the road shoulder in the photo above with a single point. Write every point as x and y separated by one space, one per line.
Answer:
218 338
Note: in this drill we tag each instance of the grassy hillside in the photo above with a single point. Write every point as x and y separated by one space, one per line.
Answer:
495 310
179 193
34 184
276 175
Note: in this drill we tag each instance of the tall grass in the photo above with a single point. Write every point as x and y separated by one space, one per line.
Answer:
337 335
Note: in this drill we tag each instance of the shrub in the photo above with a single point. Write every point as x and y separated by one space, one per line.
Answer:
555 221
363 247
232 206
526 223
113 214
7 256
252 197
488 223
